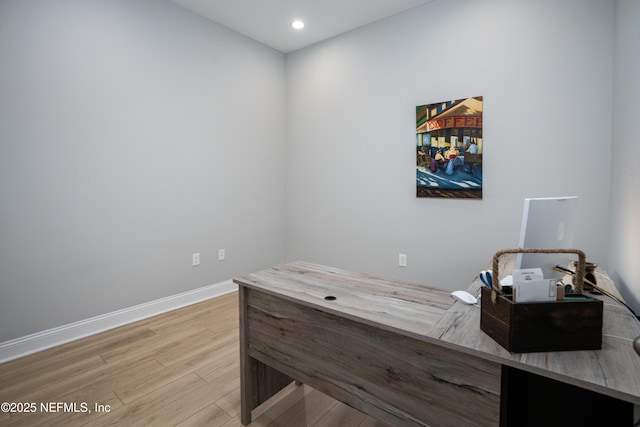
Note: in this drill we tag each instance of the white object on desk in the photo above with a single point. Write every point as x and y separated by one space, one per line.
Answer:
507 281
464 297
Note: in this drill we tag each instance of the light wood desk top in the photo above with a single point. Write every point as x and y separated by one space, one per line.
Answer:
431 315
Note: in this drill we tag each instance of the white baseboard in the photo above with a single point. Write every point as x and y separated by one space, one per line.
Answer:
33 343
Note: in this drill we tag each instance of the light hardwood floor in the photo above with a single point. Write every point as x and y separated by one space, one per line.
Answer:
180 368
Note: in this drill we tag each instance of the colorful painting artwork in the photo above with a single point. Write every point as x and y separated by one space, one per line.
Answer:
449 149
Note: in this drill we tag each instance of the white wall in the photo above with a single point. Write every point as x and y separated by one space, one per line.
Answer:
625 180
545 70
132 134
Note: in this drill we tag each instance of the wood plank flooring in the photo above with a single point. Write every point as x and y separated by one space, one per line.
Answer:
180 368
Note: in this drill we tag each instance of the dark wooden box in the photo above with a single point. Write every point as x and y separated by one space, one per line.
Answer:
542 326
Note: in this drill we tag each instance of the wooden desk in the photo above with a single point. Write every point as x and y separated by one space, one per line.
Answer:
405 353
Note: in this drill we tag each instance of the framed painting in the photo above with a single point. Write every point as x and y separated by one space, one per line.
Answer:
449 148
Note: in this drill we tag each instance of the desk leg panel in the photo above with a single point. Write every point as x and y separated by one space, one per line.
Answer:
398 379
258 381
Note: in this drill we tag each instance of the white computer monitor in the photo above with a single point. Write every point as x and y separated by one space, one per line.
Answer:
547 223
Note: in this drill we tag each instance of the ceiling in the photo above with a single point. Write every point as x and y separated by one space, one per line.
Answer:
269 21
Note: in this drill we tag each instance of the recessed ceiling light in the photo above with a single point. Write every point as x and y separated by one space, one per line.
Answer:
297 24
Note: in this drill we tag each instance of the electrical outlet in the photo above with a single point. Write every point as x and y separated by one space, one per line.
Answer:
402 260
195 259
221 254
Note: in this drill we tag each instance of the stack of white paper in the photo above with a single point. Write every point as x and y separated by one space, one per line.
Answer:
529 285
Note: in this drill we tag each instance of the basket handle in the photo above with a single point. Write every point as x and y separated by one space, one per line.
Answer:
577 282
